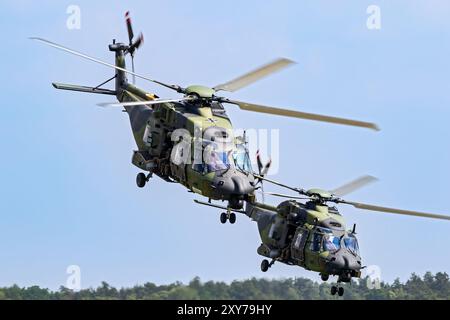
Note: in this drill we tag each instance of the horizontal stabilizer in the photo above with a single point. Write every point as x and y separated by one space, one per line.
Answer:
71 87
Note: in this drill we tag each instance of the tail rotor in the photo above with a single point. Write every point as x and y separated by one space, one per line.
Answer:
133 45
262 170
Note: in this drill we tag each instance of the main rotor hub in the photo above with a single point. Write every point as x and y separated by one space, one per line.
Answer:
200 91
322 194
118 47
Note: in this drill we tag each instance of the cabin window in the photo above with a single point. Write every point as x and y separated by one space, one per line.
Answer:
163 113
298 240
316 242
148 139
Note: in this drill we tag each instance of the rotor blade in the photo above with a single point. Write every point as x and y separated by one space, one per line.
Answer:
137 44
301 115
259 162
255 75
370 207
353 186
129 27
141 103
301 191
284 196
266 168
82 55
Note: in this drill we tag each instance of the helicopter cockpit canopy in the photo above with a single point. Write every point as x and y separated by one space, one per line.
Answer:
215 159
219 151
325 240
214 151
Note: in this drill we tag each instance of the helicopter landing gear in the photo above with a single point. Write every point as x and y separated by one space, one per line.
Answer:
228 216
223 217
324 277
142 179
334 290
265 265
339 291
344 277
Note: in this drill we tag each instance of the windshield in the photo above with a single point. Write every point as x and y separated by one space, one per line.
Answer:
218 160
331 243
351 244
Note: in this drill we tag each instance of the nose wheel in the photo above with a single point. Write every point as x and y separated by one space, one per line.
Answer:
142 179
337 290
265 265
228 216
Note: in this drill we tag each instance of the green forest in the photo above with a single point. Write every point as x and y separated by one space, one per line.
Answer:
430 286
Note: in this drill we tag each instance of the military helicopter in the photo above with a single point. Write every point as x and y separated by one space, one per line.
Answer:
313 234
188 140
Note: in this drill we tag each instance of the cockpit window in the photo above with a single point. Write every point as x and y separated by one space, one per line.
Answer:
216 159
324 240
331 243
351 244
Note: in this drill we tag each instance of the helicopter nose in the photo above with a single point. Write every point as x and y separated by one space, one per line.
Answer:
236 185
240 185
344 261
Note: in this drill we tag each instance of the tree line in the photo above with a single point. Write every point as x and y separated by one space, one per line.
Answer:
430 286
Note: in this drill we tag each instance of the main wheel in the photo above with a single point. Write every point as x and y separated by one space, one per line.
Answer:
334 290
265 265
324 277
141 180
232 218
341 292
223 218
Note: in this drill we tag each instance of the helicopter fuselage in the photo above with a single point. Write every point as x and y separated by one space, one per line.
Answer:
310 235
173 139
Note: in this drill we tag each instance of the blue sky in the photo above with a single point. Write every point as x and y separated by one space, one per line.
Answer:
67 186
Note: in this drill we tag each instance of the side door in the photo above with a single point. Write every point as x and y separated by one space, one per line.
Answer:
298 245
196 170
313 249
